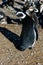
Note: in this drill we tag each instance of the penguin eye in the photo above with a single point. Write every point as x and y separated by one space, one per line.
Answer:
19 15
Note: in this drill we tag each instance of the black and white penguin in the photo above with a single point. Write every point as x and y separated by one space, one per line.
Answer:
29 33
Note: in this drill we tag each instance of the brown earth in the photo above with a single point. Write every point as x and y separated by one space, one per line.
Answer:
9 55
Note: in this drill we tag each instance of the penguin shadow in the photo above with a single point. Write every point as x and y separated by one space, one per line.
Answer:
9 21
14 38
20 3
4 3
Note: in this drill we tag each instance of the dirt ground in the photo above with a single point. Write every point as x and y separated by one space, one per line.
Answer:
10 55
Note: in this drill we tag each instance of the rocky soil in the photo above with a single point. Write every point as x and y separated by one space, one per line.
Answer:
9 54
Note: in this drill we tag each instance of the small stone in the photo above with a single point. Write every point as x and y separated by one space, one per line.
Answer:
32 54
39 63
1 63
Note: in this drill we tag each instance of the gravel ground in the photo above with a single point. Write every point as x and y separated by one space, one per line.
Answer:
9 55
